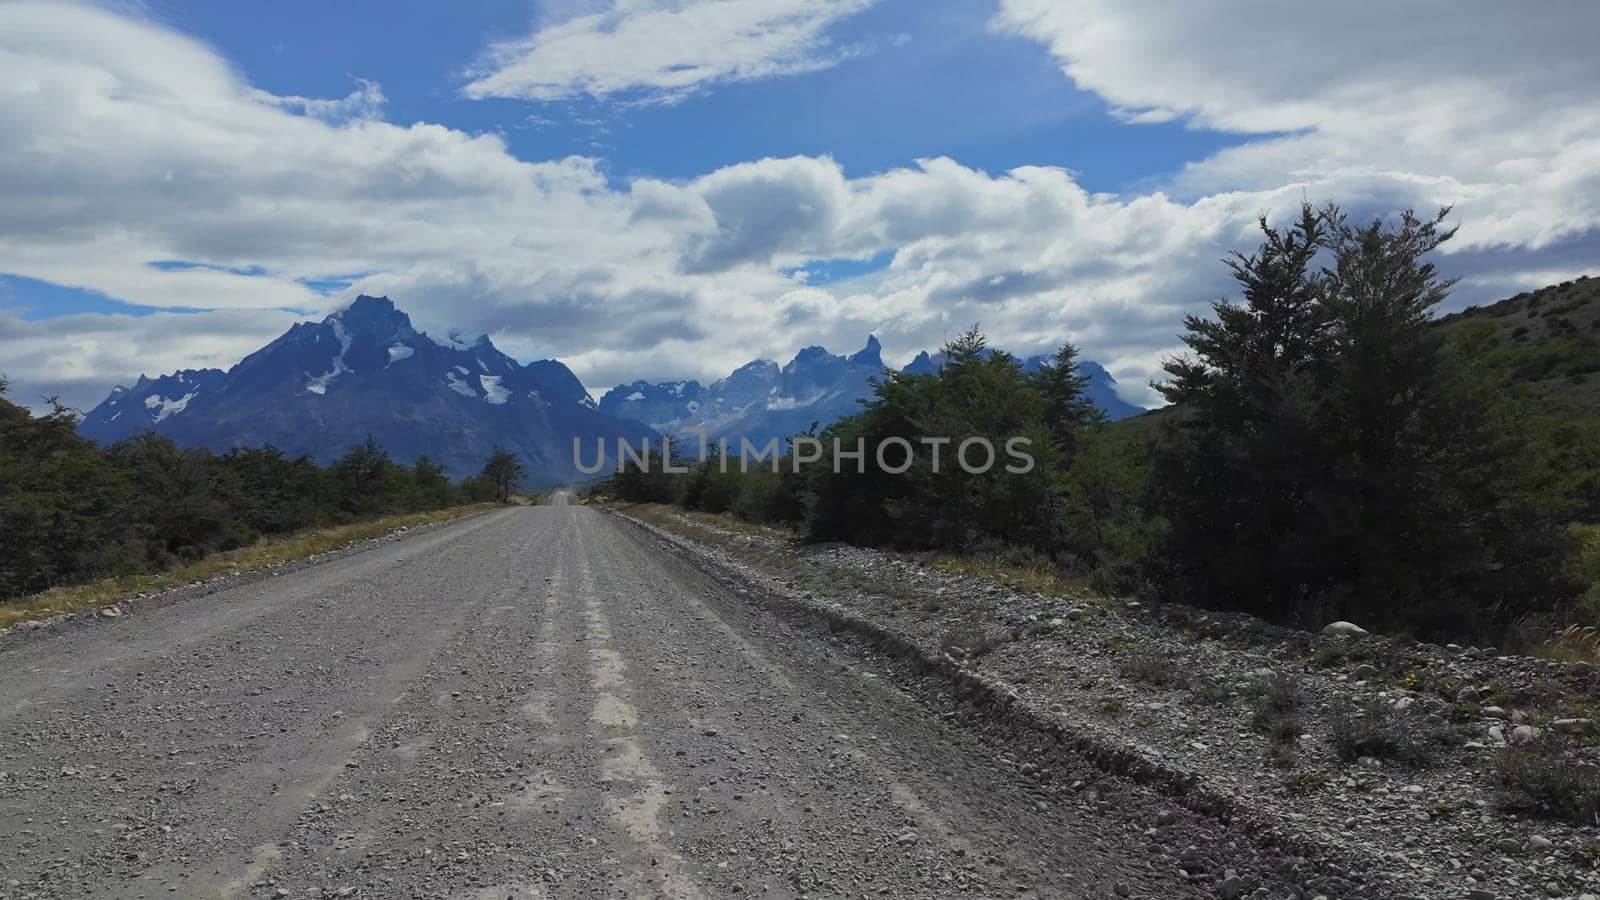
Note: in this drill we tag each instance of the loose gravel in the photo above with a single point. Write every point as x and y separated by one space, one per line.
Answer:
1177 698
550 702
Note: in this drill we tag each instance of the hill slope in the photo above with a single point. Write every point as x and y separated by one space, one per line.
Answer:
1544 344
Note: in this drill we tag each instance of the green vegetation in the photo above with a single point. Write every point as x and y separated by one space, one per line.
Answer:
263 554
73 512
1332 459
503 472
1332 451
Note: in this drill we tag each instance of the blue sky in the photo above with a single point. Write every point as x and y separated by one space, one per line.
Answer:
925 79
929 79
667 188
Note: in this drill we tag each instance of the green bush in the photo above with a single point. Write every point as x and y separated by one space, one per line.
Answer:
72 511
1332 459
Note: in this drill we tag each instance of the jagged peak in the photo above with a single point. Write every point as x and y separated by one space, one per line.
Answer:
367 301
870 355
813 352
371 314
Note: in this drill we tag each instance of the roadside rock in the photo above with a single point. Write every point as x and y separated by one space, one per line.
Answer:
1344 629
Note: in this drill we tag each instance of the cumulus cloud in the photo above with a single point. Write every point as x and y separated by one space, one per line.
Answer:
659 50
1486 105
124 144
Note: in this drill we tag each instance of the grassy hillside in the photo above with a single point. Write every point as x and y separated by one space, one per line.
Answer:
1543 345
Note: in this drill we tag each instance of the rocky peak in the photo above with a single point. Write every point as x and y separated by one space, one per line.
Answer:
870 355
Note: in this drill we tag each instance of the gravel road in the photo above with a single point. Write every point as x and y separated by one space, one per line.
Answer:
536 702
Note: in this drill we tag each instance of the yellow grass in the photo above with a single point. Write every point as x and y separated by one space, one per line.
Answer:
1578 643
1036 577
263 554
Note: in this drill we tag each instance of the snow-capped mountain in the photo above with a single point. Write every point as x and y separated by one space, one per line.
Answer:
322 387
148 403
761 400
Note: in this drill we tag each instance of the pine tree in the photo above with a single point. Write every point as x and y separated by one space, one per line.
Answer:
1331 460
1233 475
1068 408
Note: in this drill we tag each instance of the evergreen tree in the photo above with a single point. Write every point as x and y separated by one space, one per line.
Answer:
976 394
1437 520
1234 476
432 485
64 511
1068 408
504 471
364 478
1331 460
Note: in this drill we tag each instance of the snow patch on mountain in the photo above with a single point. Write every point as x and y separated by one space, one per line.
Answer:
163 407
458 384
453 340
319 385
493 392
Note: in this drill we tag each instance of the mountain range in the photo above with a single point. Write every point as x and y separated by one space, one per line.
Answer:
323 387
761 400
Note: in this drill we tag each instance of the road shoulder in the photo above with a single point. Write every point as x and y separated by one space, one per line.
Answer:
1172 698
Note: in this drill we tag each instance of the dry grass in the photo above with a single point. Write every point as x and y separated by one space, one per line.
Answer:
1374 728
1028 576
262 555
1575 644
1544 778
1152 667
1276 708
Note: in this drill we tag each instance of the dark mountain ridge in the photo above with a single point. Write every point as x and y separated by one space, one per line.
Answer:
322 387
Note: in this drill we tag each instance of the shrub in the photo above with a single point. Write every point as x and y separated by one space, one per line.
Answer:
1151 667
1542 777
73 511
1277 709
1376 729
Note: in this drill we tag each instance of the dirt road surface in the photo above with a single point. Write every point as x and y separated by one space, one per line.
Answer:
537 702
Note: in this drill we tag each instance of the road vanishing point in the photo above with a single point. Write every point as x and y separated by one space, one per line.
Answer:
535 702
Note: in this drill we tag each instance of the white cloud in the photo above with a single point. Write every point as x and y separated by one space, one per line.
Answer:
365 102
658 50
1489 106
71 356
123 143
